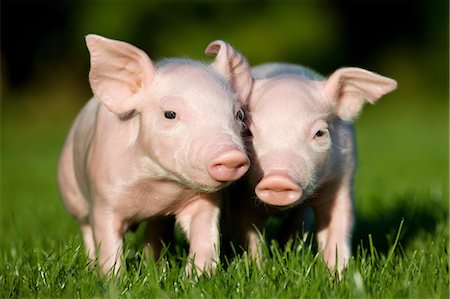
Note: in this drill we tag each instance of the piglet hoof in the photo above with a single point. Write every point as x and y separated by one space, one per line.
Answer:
336 261
195 271
114 270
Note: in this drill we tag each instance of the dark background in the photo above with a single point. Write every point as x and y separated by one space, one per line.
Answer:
39 39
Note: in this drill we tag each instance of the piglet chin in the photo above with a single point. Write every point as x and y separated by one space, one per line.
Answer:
229 165
278 190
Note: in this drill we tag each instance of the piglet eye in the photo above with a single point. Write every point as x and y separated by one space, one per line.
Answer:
240 115
170 114
320 133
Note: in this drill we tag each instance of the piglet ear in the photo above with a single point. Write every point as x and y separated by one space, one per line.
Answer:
118 73
352 87
233 66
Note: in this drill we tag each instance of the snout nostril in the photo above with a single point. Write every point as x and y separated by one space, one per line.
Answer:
232 163
229 166
278 190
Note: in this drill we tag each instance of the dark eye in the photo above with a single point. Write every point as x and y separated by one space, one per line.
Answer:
240 115
170 114
320 133
246 133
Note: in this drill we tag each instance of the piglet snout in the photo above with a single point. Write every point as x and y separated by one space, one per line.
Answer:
278 190
229 165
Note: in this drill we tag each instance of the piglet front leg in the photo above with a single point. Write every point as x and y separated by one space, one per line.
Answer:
108 235
199 220
334 221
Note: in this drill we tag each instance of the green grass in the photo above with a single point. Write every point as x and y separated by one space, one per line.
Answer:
402 182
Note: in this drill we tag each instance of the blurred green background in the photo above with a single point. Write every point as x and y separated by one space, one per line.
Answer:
402 141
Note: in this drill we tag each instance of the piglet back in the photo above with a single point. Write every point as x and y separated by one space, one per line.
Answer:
274 69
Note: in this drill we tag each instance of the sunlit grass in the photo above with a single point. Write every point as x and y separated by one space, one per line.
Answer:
295 271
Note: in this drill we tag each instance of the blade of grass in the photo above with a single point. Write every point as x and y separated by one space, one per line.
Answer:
394 246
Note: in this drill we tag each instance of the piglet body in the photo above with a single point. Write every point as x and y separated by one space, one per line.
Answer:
154 141
303 152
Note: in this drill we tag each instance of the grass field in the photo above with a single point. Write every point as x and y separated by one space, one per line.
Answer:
400 240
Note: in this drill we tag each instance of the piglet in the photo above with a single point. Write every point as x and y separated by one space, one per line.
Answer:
155 140
303 151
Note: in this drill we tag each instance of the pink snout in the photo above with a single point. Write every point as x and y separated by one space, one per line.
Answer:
229 165
278 190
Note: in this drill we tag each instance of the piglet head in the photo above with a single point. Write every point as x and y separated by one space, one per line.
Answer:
184 117
299 121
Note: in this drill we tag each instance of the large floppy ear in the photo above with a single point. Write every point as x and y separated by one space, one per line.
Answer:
231 64
351 87
118 73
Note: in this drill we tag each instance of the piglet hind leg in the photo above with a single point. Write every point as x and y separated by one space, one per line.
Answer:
334 222
89 243
199 220
159 230
248 218
251 226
